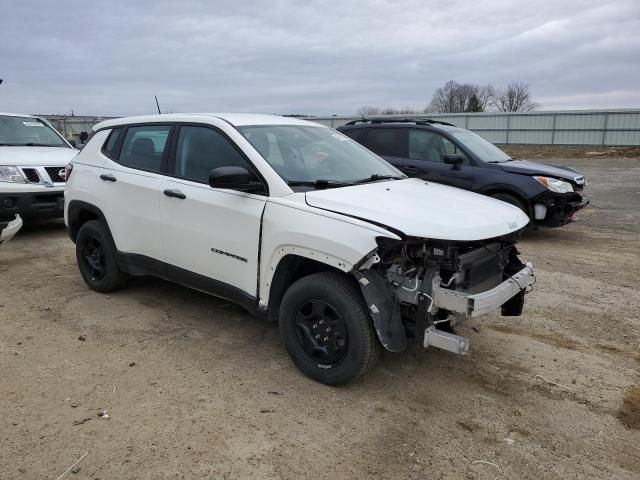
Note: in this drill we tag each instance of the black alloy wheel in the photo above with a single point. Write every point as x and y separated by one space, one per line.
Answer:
321 333
92 252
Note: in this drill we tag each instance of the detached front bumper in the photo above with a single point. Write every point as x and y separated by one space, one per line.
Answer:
9 229
476 304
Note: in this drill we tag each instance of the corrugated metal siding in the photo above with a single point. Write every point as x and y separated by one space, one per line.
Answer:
623 120
575 137
628 138
573 127
580 122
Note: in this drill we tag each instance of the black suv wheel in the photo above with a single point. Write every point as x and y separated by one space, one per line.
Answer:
510 199
326 329
96 256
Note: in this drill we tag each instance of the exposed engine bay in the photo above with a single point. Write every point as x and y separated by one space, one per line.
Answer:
419 289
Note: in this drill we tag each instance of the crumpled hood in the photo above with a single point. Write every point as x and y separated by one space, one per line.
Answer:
423 209
36 156
528 167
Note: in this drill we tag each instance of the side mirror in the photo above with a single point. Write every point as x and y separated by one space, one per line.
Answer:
234 178
453 159
73 143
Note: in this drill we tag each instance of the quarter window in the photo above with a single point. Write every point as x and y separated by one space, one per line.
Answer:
200 150
109 146
143 147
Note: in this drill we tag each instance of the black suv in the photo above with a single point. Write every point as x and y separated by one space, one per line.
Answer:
443 153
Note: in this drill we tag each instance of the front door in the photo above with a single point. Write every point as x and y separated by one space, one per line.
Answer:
425 159
210 232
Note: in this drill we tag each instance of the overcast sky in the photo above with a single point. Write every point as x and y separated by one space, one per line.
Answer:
315 57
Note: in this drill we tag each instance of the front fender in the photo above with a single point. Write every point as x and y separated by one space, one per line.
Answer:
289 228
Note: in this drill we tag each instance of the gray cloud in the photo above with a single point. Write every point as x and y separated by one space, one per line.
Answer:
319 57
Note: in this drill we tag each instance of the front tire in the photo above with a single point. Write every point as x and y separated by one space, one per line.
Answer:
96 256
326 329
512 200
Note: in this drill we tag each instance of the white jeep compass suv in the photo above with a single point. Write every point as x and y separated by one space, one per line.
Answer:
33 157
297 223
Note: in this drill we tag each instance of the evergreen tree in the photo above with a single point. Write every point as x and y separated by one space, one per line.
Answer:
474 104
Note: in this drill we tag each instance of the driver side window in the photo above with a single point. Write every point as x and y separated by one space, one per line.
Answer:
200 150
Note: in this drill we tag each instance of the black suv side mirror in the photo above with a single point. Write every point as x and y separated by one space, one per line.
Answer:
453 159
73 143
234 178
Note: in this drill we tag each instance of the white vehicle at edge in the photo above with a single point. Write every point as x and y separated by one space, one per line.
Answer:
33 156
297 223
9 228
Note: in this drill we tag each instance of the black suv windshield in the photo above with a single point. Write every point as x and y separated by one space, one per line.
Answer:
484 150
317 157
28 132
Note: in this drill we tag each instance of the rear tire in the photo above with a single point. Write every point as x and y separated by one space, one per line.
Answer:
96 256
326 329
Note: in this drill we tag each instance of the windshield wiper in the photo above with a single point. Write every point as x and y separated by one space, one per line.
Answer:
376 177
319 184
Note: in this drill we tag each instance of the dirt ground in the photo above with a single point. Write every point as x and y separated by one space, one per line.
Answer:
196 388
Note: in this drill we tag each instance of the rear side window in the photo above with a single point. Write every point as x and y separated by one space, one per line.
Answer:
356 134
143 147
109 147
387 141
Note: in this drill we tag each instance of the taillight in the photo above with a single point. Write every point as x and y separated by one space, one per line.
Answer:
67 171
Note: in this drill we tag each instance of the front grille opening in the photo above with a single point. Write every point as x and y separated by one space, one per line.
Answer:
54 174
31 174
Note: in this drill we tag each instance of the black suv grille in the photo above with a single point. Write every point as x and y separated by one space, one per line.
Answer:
54 174
31 174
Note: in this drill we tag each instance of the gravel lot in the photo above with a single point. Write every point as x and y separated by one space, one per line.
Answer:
196 388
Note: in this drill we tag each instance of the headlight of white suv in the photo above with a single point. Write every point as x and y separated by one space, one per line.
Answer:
11 174
555 185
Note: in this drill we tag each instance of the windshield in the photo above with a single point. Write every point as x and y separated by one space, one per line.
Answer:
27 131
484 150
308 155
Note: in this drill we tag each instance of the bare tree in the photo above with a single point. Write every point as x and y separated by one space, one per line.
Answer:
515 97
456 97
367 111
399 111
485 96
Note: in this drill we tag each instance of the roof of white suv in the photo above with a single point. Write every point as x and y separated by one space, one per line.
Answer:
235 119
6 114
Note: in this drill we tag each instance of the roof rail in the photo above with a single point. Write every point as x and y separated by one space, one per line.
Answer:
417 121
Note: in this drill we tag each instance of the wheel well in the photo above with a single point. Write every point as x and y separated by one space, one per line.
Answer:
78 216
291 269
511 193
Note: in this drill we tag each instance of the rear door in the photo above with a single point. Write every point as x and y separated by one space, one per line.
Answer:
425 159
211 232
389 143
130 185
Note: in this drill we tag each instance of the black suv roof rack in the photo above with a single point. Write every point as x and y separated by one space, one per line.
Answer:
417 121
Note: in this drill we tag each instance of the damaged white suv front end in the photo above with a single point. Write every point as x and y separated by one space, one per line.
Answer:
453 256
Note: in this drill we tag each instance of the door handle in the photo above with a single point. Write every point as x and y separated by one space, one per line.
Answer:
412 169
175 194
107 177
